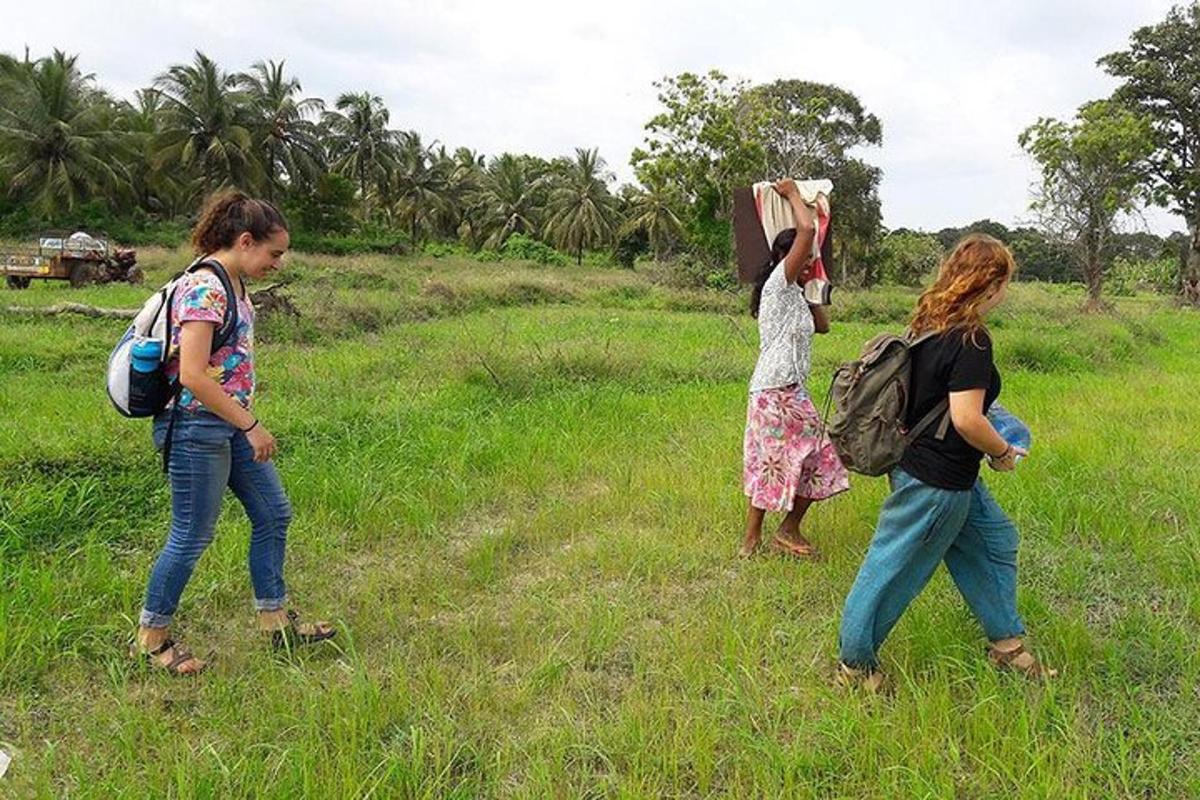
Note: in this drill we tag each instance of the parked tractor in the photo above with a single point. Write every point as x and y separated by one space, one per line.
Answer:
80 258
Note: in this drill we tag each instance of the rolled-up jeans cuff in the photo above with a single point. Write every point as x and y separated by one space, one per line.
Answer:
150 619
274 604
1016 633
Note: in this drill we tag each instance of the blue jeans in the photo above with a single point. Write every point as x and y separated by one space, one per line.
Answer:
208 454
919 526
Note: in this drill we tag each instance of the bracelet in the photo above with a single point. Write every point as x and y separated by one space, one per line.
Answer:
252 427
1003 455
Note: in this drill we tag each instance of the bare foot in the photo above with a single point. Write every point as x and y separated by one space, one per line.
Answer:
750 544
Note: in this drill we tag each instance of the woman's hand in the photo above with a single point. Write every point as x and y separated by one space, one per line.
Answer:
263 443
786 187
1007 462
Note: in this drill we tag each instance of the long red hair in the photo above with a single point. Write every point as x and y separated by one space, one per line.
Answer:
978 265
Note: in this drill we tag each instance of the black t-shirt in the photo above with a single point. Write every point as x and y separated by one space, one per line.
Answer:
942 364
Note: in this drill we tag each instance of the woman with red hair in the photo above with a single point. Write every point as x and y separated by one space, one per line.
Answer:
939 508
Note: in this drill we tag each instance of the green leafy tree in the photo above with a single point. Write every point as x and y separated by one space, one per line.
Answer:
1038 258
714 134
141 120
811 130
328 207
1091 174
806 128
703 137
907 257
948 237
1160 71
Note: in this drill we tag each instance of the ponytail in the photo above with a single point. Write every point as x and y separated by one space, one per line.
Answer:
228 214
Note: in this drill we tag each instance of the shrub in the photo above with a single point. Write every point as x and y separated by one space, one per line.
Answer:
908 257
520 247
1128 275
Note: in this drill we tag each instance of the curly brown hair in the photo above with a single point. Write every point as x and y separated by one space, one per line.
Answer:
229 213
976 266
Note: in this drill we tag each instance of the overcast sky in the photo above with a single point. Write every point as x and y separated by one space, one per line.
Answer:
952 82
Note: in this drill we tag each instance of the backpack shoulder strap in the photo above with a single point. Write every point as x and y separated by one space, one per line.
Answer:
228 326
913 341
942 409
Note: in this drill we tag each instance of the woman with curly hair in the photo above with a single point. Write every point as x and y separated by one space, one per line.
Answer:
939 508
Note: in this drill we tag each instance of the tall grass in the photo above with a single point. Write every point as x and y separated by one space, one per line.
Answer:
517 493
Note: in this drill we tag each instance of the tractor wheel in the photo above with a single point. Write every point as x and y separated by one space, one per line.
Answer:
17 282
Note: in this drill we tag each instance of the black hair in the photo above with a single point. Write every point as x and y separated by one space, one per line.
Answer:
779 250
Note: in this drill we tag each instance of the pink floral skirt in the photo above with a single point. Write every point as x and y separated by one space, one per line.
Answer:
785 455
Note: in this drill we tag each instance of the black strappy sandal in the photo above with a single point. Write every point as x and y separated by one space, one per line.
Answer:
290 636
181 657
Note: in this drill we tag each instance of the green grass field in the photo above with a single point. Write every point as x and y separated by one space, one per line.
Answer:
517 492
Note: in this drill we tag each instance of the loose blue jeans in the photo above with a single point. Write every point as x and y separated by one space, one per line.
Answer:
207 455
919 526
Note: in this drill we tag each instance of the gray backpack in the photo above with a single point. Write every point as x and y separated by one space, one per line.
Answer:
870 397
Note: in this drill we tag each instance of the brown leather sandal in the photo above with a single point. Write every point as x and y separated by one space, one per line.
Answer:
174 667
294 632
871 681
1020 660
786 547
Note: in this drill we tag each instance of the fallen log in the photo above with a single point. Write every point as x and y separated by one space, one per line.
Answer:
267 299
74 308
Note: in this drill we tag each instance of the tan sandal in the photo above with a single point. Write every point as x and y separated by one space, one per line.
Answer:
1020 660
871 681
801 552
180 656
296 632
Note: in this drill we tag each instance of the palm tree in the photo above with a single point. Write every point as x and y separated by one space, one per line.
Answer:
652 209
360 144
420 186
510 198
11 68
283 128
57 134
206 127
460 214
142 121
582 210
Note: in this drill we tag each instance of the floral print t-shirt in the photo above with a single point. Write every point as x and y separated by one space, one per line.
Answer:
200 297
785 331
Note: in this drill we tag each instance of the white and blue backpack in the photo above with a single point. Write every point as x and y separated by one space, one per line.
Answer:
137 381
